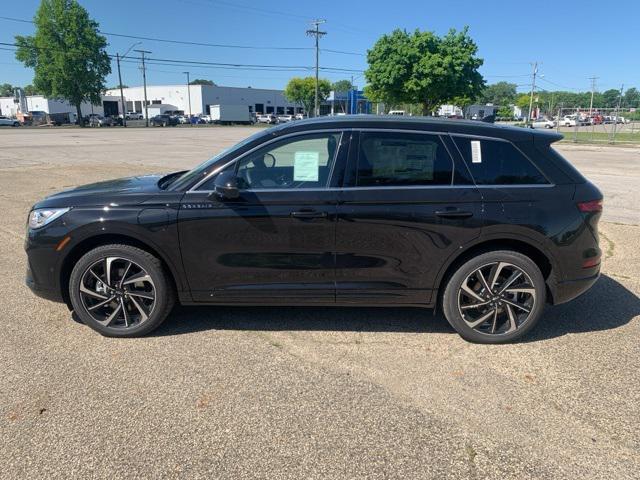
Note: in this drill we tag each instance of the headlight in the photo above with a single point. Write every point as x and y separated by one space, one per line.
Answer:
40 217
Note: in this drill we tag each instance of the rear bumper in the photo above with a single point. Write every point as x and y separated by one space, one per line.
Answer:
567 290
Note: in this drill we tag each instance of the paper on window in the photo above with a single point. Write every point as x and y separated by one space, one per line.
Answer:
306 167
476 152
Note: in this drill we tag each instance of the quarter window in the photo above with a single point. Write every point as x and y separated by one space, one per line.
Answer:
494 162
397 159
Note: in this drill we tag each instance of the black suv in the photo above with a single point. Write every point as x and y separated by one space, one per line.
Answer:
488 223
163 120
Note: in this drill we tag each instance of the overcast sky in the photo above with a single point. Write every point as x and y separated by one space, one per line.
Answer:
574 40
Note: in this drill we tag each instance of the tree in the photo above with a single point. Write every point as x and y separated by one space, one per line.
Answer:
67 53
31 90
6 90
201 81
342 86
610 98
632 98
501 93
303 91
421 67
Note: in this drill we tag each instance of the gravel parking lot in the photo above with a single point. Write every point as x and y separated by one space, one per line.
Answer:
309 392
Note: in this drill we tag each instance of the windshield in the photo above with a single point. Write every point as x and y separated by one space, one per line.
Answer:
204 168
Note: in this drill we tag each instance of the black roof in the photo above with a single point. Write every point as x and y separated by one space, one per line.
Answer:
435 124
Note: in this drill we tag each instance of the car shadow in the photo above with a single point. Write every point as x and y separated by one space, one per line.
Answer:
608 305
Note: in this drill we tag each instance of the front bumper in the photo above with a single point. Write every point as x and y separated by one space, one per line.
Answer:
40 290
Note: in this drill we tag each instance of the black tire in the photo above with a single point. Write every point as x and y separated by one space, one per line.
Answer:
16 124
163 292
487 331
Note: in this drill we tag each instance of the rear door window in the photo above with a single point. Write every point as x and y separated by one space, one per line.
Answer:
497 162
401 159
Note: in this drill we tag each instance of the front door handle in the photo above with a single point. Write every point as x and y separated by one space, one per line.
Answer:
308 214
454 214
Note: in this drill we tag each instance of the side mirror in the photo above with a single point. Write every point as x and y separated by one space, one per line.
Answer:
226 186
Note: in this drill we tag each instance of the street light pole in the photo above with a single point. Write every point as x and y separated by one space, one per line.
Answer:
144 81
533 87
124 108
189 94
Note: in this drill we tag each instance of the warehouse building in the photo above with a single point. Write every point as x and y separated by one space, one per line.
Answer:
9 106
258 100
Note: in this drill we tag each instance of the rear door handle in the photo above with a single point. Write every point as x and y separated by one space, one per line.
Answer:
454 214
308 214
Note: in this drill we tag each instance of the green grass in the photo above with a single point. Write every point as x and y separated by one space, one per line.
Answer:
601 137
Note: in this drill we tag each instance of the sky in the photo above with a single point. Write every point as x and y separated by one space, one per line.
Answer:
568 38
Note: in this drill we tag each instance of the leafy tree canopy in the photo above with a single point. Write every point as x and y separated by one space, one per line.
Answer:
31 90
6 90
201 81
303 91
421 67
501 93
67 53
342 86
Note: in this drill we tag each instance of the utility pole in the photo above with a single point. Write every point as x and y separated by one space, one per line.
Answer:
124 108
144 80
317 34
615 121
189 94
593 90
533 87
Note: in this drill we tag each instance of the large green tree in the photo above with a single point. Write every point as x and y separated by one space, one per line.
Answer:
67 53
424 68
501 93
632 98
6 90
303 91
610 98
341 86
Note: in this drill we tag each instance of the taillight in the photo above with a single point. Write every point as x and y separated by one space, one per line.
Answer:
590 206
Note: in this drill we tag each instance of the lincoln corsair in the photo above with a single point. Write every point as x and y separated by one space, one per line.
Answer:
486 223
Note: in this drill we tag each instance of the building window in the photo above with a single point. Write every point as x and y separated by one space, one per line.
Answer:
299 110
156 102
269 109
280 110
290 111
138 106
259 107
129 106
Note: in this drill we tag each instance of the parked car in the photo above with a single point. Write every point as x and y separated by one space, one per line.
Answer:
568 121
97 120
266 118
183 119
397 112
543 123
285 118
135 116
490 231
8 122
163 120
300 116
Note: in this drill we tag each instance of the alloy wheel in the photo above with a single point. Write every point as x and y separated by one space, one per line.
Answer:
497 298
117 292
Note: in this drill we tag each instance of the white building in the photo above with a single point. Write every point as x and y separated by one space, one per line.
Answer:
38 103
450 111
258 100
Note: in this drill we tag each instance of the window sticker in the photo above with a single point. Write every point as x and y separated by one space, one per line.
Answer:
306 167
476 151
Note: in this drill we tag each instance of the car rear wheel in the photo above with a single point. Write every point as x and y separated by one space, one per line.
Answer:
495 297
121 291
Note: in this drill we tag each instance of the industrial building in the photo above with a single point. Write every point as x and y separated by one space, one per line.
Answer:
258 100
9 106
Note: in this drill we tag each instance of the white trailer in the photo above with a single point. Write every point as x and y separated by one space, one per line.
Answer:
230 113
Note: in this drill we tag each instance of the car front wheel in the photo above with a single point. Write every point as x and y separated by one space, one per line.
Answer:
495 297
121 291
